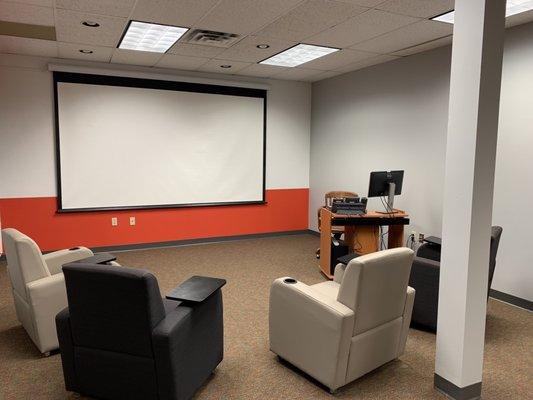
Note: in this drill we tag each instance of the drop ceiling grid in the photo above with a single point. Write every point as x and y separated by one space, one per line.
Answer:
309 18
115 8
244 16
246 49
368 31
417 8
405 36
181 62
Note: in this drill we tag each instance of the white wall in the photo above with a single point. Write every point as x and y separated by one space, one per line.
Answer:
514 167
394 116
27 162
26 131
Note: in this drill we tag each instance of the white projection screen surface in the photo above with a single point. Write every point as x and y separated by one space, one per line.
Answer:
125 143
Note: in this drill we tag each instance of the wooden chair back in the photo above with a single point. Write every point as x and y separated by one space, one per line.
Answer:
329 196
328 201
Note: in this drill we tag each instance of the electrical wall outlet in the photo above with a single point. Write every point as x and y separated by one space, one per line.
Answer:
132 221
421 237
114 221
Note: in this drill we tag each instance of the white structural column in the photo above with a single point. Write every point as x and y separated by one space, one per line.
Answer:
469 182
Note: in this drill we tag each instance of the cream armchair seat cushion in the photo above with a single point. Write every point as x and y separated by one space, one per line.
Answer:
337 331
38 285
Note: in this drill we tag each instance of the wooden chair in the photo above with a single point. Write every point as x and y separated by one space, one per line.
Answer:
328 201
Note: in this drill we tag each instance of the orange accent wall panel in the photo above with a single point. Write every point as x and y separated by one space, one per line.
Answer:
285 210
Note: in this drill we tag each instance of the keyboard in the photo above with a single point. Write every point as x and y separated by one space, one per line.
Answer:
350 212
349 206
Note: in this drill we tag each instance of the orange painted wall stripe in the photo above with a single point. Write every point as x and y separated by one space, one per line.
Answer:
286 210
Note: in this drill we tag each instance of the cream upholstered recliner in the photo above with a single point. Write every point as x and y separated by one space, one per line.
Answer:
337 331
38 285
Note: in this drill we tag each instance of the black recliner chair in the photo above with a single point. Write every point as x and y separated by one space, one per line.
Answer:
425 280
120 340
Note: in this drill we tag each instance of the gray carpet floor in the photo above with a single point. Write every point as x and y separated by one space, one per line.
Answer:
249 370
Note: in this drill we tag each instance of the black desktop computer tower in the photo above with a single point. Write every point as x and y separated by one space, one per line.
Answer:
338 249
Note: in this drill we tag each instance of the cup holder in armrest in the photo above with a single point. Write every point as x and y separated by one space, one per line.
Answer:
74 248
289 281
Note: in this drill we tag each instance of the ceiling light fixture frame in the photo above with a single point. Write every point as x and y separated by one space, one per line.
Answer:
151 23
296 45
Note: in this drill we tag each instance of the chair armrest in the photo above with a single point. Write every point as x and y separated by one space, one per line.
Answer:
425 280
168 333
340 269
188 345
311 331
424 273
55 260
407 312
47 297
429 251
66 346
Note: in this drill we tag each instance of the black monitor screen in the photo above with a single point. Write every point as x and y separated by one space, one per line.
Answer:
379 183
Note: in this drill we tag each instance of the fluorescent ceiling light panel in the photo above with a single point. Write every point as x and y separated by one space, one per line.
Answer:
143 36
513 7
299 54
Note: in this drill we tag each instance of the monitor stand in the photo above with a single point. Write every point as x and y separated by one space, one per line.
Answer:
390 200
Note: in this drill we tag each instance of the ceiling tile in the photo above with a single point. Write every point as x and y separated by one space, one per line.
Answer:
262 70
214 65
424 47
338 59
31 47
180 13
244 16
382 58
195 50
410 35
417 8
72 50
246 49
364 3
26 13
120 8
297 74
69 28
309 18
361 27
181 62
146 58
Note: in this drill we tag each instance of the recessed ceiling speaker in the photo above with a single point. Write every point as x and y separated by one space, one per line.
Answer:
91 24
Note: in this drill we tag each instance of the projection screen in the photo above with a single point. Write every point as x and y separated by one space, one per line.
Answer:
126 143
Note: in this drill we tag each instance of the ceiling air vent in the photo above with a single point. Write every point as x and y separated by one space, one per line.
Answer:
210 38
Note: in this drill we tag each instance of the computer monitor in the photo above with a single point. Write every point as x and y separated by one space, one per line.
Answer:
386 183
